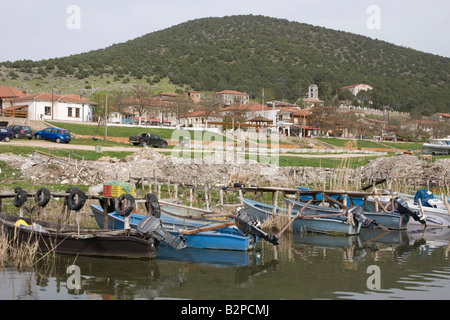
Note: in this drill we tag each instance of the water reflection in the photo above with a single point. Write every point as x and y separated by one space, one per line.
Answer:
413 263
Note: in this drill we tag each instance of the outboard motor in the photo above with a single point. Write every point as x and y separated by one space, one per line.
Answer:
248 226
151 226
403 208
357 213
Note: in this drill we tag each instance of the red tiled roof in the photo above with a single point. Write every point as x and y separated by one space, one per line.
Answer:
253 106
8 92
231 92
312 100
49 97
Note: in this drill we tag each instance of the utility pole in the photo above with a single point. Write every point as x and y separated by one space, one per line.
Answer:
106 118
53 102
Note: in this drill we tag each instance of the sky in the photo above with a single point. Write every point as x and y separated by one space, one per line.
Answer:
43 29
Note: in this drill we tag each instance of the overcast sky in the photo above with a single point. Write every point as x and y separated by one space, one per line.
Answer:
42 29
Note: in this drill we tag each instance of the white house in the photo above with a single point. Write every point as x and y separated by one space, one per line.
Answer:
48 106
356 88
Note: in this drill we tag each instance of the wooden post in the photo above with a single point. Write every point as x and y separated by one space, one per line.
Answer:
274 203
241 196
176 191
206 198
221 198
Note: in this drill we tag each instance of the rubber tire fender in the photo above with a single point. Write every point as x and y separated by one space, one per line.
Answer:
46 196
20 198
75 206
152 205
111 204
126 211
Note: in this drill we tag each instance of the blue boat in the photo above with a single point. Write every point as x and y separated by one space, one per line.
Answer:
221 239
392 221
319 197
330 225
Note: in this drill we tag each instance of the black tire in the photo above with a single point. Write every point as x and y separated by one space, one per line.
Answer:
16 136
111 204
38 137
58 140
42 197
164 145
20 198
72 202
126 211
152 205
7 139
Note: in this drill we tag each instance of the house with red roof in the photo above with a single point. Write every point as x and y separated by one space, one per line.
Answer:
356 88
8 93
49 106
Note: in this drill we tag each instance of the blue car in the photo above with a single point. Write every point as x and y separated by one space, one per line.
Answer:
6 134
54 134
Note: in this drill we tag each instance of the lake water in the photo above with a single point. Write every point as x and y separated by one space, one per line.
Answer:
403 265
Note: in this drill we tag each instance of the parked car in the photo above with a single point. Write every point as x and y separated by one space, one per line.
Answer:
54 134
148 139
6 135
21 131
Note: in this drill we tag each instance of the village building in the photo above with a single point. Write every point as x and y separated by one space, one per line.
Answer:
8 93
199 119
356 88
312 98
49 106
229 97
194 96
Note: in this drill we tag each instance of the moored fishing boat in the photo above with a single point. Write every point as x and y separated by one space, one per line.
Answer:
69 239
392 221
433 210
339 225
223 238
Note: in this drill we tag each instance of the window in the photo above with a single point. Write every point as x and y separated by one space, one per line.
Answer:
48 111
77 112
69 112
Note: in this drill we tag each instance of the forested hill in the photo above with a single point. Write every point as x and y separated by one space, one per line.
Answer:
248 53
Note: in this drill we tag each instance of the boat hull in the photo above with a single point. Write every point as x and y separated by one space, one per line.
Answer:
392 221
335 226
434 217
222 239
87 243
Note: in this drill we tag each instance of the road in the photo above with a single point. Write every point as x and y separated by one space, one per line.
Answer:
52 145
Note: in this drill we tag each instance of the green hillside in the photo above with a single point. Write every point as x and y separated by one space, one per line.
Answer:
248 53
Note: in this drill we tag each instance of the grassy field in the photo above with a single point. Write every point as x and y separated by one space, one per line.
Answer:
371 144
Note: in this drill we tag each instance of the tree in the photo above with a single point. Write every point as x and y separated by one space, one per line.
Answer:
140 99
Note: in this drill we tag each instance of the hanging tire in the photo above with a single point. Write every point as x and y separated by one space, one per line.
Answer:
110 202
20 198
128 209
152 205
42 197
72 202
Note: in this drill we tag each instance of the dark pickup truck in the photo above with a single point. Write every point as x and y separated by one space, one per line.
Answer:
148 140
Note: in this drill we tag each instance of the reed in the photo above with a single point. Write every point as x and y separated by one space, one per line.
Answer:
20 255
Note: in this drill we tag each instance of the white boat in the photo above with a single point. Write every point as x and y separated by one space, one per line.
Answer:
434 210
442 145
